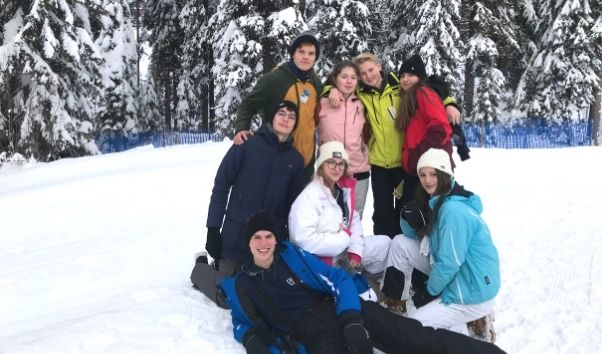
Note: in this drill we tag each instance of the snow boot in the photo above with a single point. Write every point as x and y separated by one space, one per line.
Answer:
396 306
482 328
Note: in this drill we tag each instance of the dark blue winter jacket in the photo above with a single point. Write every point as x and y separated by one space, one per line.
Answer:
248 307
262 173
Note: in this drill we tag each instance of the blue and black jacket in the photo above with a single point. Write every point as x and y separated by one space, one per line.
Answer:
311 272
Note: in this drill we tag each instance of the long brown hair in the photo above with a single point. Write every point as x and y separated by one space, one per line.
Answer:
444 186
408 105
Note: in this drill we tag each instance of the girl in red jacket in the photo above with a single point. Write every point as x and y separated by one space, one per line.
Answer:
420 115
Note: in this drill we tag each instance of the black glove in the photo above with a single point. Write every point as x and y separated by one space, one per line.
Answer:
255 345
422 297
460 141
356 336
214 243
414 215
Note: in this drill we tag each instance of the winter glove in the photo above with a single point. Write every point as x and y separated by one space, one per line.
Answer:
255 345
214 243
356 336
414 215
460 141
287 345
422 297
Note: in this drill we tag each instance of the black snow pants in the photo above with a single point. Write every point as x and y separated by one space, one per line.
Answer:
395 334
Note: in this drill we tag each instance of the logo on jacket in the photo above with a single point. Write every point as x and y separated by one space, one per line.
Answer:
290 281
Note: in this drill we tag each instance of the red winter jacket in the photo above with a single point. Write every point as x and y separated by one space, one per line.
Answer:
428 128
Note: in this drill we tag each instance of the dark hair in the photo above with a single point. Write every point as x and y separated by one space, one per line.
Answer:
408 105
332 77
444 186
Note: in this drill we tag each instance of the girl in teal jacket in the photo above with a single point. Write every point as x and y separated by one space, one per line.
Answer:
444 236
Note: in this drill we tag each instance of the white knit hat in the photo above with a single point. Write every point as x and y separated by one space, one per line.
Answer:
330 150
436 158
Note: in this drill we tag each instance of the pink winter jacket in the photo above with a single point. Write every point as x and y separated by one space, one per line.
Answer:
345 124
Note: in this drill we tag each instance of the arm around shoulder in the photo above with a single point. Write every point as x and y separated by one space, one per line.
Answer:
252 104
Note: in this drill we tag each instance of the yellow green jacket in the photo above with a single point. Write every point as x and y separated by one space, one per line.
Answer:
384 146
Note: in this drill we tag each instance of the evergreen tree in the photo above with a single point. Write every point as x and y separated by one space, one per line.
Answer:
161 18
490 33
242 29
343 30
118 47
195 83
399 44
12 105
562 75
380 21
52 66
149 107
428 28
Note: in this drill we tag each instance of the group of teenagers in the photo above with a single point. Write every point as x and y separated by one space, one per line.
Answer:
284 220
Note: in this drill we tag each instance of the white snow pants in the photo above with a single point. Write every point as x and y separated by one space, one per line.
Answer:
404 254
376 249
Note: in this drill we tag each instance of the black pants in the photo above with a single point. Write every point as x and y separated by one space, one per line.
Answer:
319 330
395 334
387 208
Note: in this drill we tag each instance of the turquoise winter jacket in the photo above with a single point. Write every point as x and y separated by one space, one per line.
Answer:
466 268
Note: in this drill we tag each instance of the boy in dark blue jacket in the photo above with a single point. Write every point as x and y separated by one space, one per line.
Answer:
265 173
288 301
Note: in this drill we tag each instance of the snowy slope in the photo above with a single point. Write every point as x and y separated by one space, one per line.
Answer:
96 252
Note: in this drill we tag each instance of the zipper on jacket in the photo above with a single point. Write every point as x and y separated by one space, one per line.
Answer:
345 126
374 109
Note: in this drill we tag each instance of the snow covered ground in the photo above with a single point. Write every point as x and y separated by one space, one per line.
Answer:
96 252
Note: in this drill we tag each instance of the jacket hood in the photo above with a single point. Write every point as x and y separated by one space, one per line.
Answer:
267 131
459 194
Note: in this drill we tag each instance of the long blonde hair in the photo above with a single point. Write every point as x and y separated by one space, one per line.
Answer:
326 180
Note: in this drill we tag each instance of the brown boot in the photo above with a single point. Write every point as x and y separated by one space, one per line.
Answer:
482 328
375 285
396 306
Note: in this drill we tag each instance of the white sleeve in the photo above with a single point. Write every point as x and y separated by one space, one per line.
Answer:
357 235
304 221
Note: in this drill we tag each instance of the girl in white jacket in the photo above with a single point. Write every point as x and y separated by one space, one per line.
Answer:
323 219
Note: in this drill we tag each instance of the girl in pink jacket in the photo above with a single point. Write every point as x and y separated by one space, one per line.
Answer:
345 124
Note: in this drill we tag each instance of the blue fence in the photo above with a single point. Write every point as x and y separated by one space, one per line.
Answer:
491 135
112 142
529 135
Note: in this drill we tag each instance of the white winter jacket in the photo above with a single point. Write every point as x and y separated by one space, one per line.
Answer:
315 218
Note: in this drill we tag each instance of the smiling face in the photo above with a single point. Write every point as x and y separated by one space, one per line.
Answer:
407 80
370 73
263 245
284 122
346 81
333 169
428 180
304 56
